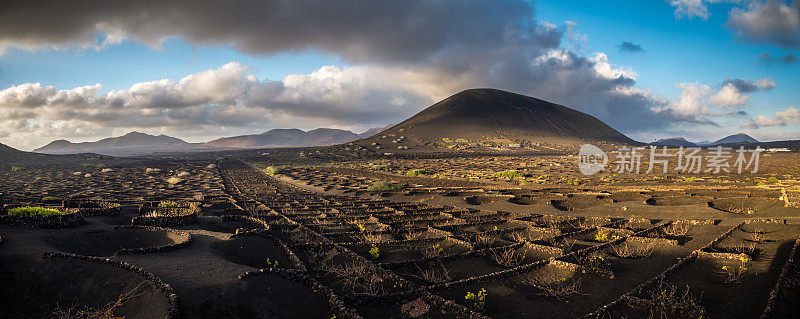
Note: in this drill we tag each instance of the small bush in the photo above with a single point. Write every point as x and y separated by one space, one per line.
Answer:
375 252
430 251
382 186
605 236
273 170
478 300
509 174
88 166
417 172
379 167
29 211
360 226
772 179
560 290
734 274
169 204
17 168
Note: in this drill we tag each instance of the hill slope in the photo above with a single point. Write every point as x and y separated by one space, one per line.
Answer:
675 141
490 116
373 131
271 137
9 154
287 137
13 157
736 138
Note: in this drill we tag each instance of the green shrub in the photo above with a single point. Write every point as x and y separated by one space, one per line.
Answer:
88 166
605 236
375 252
273 170
509 174
772 179
417 172
478 300
29 211
382 186
379 167
17 168
169 204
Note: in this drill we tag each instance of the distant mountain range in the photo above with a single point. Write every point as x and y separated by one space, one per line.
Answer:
131 143
135 143
732 139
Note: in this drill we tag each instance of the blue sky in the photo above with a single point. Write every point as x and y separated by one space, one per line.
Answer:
341 74
676 50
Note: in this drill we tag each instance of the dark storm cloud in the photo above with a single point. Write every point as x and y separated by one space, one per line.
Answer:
770 22
626 46
376 30
767 58
749 86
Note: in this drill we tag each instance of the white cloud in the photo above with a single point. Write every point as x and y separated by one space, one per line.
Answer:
729 95
692 100
690 8
694 8
699 102
608 71
781 118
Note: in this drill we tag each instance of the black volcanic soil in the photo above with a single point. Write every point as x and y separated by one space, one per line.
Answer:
36 288
460 207
251 251
106 242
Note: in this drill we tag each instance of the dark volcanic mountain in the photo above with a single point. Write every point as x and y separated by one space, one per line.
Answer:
131 143
675 141
485 114
736 138
287 137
